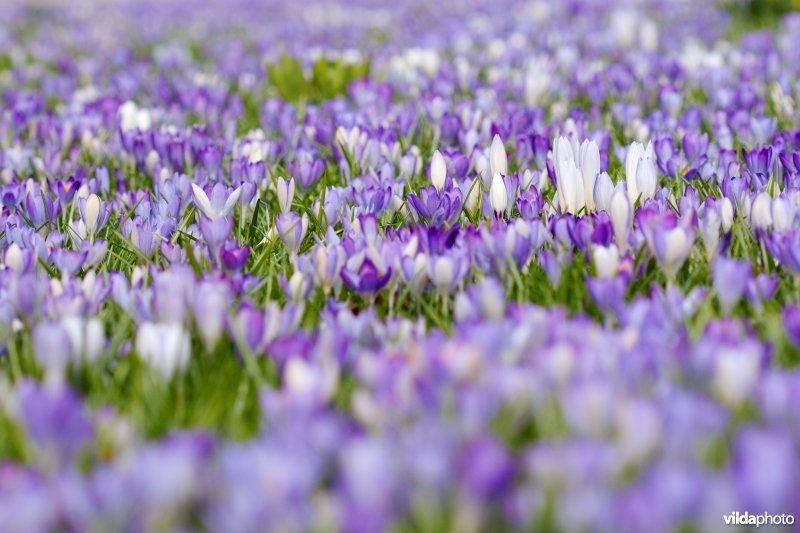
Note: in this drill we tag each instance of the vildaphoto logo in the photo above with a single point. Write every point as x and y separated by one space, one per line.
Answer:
764 519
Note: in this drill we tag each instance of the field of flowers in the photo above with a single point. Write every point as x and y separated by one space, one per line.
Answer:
403 266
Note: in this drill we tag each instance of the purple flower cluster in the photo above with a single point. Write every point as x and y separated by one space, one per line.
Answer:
383 265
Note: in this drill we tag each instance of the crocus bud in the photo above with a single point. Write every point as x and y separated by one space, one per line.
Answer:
782 214
709 225
285 192
606 260
761 211
92 213
730 278
86 336
590 168
646 178
569 181
637 155
443 273
210 305
672 247
14 259
726 214
292 229
132 117
165 346
736 373
438 170
603 189
498 195
498 161
621 217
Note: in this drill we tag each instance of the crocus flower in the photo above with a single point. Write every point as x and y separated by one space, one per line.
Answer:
94 214
621 217
292 229
498 195
791 323
435 206
606 260
219 204
640 173
671 247
731 277
569 181
438 170
498 160
215 231
285 192
362 275
166 347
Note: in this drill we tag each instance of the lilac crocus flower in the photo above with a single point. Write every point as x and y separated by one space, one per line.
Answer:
219 204
791 323
234 257
731 278
437 207
292 229
362 275
94 214
215 231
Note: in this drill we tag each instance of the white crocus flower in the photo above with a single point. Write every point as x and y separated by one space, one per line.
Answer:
621 217
498 160
603 189
438 170
165 346
498 195
761 212
606 260
643 183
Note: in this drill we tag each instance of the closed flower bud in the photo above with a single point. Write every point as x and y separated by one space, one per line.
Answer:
438 170
726 214
443 273
498 195
14 259
590 168
92 213
761 211
782 214
603 189
498 161
285 193
672 247
606 260
646 178
165 346
621 217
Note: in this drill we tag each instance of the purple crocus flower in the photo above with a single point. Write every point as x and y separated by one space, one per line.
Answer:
292 229
306 169
215 231
233 257
40 207
761 288
66 189
791 323
731 277
759 162
68 262
364 276
437 207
